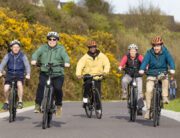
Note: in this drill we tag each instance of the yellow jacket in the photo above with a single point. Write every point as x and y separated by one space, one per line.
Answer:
97 66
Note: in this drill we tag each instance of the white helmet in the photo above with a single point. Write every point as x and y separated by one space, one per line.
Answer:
132 46
53 34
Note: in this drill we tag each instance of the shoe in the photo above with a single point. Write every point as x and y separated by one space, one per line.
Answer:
139 112
59 110
37 108
84 105
165 100
5 107
124 96
147 115
20 105
98 111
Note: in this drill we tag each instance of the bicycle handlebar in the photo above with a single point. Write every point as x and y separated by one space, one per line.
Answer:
92 76
49 65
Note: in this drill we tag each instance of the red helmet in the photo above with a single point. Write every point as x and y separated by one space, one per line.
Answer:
157 41
91 43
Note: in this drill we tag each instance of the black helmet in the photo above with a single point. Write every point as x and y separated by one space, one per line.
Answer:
53 34
15 42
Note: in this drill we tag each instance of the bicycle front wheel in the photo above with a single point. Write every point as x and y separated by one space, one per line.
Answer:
11 105
45 108
89 107
133 104
97 104
154 112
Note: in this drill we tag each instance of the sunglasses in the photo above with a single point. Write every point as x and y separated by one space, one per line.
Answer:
52 39
92 46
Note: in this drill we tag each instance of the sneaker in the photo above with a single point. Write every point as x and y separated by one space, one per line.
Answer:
37 108
20 105
98 111
165 100
59 110
139 112
147 115
5 107
124 96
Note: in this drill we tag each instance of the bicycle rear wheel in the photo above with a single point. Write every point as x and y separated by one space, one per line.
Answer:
154 112
89 107
45 108
97 104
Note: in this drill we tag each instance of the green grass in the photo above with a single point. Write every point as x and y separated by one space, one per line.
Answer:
173 105
25 104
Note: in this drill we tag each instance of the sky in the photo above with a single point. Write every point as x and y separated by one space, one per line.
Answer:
169 7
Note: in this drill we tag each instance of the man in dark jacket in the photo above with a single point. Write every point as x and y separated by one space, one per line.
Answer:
158 58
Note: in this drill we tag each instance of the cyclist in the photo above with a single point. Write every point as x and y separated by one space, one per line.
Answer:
158 58
132 60
54 53
16 62
93 62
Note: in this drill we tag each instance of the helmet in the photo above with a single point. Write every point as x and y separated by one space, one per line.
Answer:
157 41
132 46
91 43
53 34
15 42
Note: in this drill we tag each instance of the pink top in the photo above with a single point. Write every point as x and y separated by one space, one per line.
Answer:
125 58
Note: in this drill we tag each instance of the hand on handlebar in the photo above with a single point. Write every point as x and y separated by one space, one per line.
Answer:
141 72
172 71
28 76
67 65
33 62
79 77
120 68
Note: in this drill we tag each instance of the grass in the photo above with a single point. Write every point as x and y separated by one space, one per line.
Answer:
173 105
25 104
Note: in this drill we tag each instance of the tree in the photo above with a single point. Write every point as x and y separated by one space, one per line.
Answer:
99 6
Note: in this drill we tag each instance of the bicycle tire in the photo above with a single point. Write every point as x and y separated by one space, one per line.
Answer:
154 113
14 104
45 108
11 95
159 108
133 104
97 104
89 107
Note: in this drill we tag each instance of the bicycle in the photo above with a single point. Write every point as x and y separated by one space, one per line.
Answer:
94 99
132 94
13 98
156 101
48 103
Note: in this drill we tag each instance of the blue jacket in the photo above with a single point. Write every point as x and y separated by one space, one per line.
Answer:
16 64
158 63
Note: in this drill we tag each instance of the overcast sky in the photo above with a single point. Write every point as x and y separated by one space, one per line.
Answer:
169 7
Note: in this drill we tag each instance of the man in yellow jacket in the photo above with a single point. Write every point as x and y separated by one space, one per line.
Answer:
93 62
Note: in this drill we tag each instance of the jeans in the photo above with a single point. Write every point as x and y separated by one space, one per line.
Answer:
172 93
57 83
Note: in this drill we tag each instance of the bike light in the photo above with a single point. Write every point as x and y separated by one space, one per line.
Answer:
134 83
48 82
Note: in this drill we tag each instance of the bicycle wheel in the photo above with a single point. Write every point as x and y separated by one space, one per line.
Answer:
52 107
11 106
45 108
159 108
154 112
14 104
97 104
89 107
133 107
